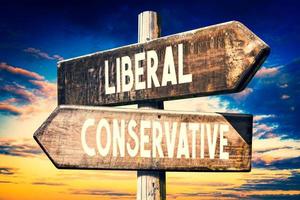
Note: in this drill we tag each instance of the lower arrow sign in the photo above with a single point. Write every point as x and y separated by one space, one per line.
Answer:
109 138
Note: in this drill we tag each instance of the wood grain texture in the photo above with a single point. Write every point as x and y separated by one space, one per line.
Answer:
221 58
151 185
60 138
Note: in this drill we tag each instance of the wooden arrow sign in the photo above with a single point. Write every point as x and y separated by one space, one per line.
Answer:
206 61
109 138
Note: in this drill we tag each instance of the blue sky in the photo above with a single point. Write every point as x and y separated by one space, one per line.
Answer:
34 35
77 28
73 29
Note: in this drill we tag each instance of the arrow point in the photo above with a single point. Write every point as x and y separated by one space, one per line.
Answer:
37 138
242 124
39 135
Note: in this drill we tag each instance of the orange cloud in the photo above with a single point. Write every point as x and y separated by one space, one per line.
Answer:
11 100
267 72
37 99
264 127
46 88
261 117
20 71
243 94
19 148
10 108
23 93
40 100
273 149
38 105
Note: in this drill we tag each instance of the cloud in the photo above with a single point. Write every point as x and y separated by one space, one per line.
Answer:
20 71
200 104
262 183
23 97
18 148
243 94
273 149
20 92
203 184
193 194
11 109
266 98
58 57
263 128
267 72
284 183
29 118
26 100
11 100
284 85
45 88
289 163
5 182
232 184
273 156
284 96
257 118
98 192
43 104
268 152
40 54
275 197
47 183
277 142
231 196
7 171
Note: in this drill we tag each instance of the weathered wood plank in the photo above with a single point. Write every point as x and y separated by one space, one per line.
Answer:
151 185
221 59
61 138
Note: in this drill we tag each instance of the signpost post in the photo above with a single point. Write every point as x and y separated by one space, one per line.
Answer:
80 134
150 184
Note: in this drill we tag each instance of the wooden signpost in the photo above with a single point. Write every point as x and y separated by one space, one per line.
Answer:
80 134
150 184
111 138
206 61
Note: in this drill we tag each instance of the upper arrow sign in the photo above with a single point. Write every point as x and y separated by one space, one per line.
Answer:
206 61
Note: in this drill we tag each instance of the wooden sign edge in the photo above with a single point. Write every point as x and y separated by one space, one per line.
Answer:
59 166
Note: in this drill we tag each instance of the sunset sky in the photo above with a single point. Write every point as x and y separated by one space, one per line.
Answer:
35 35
